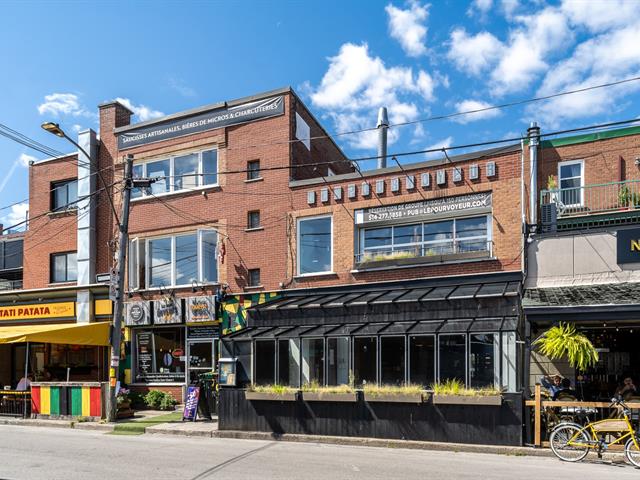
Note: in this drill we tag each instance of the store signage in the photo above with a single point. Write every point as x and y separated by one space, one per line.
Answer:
222 117
191 405
437 207
201 309
38 310
628 246
208 332
167 310
137 313
177 353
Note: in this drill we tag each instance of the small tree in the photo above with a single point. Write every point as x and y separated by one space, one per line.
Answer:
564 341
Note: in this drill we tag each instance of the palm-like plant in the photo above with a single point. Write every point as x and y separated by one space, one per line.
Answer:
564 341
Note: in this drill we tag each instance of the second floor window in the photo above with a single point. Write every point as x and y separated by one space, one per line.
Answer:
64 195
64 267
571 181
315 249
253 219
177 260
253 169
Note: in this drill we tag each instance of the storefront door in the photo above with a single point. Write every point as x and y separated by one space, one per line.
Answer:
201 356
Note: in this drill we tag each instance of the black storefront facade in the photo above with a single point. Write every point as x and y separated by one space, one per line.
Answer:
390 333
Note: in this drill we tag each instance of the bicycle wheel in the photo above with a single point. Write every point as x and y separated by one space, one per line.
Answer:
559 442
632 452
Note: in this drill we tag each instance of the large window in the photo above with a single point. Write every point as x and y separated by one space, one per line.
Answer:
64 195
392 360
313 360
571 181
159 355
460 235
484 355
178 173
452 360
422 360
174 260
64 267
265 362
289 362
365 360
338 361
315 245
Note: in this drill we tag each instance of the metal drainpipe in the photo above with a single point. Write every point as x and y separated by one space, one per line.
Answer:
382 126
534 140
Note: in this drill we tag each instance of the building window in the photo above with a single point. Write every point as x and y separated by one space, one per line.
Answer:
173 260
254 277
484 354
253 169
338 361
571 181
422 360
365 360
446 237
289 362
253 219
64 267
64 195
178 173
265 362
452 357
155 359
392 360
315 249
313 361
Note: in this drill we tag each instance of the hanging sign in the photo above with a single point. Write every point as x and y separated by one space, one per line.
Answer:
190 411
221 117
628 246
167 310
137 313
201 310
38 310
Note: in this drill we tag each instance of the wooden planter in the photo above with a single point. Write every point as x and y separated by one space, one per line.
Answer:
329 397
398 398
270 397
492 400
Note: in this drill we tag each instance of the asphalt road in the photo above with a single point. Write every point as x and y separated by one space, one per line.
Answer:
48 453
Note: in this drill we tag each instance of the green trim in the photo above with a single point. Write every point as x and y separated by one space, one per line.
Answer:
55 400
76 401
590 137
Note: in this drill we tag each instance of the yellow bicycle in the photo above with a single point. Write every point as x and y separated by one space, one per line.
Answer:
571 442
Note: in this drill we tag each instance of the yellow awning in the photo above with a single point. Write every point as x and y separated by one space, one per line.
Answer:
65 333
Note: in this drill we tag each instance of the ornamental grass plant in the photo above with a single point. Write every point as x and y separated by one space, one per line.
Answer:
455 386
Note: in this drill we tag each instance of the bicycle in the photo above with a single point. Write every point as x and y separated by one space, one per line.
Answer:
571 442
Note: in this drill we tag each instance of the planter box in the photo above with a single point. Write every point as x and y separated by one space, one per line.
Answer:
401 262
329 397
271 397
493 400
391 398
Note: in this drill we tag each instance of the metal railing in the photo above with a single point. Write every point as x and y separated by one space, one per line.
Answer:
15 403
425 252
10 285
593 199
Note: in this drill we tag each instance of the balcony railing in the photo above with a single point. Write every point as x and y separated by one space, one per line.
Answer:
10 285
594 199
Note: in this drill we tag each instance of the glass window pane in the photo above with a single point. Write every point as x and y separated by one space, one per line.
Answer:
154 354
60 196
365 360
422 360
265 357
338 361
313 361
438 231
315 245
210 167
570 183
72 267
72 193
289 362
483 360
157 170
392 360
209 260
573 170
160 262
452 357
59 268
185 172
472 246
407 234
377 237
253 169
439 248
137 173
471 227
186 259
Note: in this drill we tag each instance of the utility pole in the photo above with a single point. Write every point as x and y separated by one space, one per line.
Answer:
117 282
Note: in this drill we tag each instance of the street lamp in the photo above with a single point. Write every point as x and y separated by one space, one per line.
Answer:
53 128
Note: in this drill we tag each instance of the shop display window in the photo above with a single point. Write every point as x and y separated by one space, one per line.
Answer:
365 360
160 355
289 362
484 358
452 357
392 355
265 362
338 361
422 360
313 360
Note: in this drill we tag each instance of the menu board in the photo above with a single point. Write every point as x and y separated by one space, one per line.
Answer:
208 332
144 354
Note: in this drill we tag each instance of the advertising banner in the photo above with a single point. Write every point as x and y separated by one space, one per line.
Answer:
137 313
628 246
201 310
191 404
39 310
167 310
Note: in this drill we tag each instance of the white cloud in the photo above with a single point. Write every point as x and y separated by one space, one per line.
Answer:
181 87
509 6
483 6
143 112
474 53
600 15
57 104
16 215
407 27
440 144
472 105
24 159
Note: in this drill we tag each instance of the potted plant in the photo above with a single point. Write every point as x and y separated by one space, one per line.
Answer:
124 404
624 197
635 200
552 187
278 393
454 392
394 393
564 341
313 392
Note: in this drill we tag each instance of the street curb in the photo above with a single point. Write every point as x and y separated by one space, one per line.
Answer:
101 427
181 433
36 423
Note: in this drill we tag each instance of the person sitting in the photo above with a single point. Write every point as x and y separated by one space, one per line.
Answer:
627 389
24 384
552 384
565 392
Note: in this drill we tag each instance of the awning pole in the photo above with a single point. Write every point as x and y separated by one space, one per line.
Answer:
26 361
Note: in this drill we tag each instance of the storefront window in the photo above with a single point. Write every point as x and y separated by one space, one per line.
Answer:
392 360
365 360
314 245
452 353
484 368
313 360
289 362
160 355
338 361
265 358
422 360
242 351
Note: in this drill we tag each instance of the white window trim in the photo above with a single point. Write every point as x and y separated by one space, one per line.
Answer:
567 163
298 256
171 159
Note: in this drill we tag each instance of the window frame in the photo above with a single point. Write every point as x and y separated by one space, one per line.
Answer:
405 371
171 158
299 220
323 380
435 355
253 171
254 363
581 187
466 355
349 355
497 362
66 266
55 186
251 215
250 282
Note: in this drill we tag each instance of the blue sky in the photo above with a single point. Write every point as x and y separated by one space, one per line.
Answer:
61 59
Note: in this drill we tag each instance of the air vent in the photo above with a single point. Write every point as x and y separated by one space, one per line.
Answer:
549 217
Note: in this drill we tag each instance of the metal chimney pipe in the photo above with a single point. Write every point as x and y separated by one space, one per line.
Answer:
533 133
382 126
